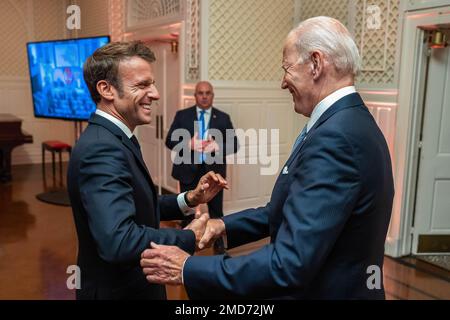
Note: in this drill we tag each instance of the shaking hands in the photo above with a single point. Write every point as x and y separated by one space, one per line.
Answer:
164 264
206 230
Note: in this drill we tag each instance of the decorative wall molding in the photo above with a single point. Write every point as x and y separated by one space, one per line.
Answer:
256 114
204 39
192 62
385 115
116 19
379 94
14 31
379 45
370 37
95 18
148 13
337 9
11 82
245 90
413 5
246 38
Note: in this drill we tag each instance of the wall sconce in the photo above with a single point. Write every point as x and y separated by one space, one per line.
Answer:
437 40
174 46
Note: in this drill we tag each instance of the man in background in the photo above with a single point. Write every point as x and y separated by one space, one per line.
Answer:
207 153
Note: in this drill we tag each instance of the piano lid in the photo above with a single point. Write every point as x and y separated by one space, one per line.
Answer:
11 132
6 117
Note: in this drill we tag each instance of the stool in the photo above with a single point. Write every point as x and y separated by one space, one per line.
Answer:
54 146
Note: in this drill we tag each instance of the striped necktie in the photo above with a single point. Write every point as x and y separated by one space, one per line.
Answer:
300 138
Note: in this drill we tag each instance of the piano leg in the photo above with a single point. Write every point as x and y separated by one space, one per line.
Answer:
1 164
5 164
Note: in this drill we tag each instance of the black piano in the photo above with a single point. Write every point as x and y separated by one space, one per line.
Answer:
11 136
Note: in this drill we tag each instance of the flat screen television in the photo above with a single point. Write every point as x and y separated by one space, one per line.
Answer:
56 74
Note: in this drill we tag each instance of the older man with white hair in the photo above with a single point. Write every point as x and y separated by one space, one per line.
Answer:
330 207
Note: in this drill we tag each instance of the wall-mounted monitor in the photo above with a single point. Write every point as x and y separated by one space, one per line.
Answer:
56 74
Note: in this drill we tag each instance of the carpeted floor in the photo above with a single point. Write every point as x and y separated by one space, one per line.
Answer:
442 261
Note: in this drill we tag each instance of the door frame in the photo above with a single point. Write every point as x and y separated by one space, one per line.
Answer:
409 117
422 225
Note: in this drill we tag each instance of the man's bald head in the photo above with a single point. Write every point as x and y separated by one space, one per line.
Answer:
204 94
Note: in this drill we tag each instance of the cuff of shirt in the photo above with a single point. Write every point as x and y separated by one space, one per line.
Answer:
182 270
225 242
187 211
224 237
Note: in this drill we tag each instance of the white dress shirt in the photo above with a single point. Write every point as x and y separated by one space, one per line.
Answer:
116 121
180 198
326 103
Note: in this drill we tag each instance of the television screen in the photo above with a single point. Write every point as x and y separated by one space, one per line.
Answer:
56 74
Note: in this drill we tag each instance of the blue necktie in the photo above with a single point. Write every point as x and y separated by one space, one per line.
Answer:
202 130
300 138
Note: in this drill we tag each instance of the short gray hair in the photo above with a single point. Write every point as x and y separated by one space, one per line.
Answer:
330 37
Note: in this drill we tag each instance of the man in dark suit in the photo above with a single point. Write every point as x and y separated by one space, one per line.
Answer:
209 131
330 207
115 204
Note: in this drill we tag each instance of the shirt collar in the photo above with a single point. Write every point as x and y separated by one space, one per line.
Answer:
116 121
207 111
327 102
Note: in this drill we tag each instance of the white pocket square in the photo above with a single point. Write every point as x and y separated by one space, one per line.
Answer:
285 170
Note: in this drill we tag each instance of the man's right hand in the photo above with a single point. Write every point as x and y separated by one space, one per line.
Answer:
215 228
198 226
196 144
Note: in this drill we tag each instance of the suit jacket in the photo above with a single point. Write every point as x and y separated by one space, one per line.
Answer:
185 119
117 213
327 219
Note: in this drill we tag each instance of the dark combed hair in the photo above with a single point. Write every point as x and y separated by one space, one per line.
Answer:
103 64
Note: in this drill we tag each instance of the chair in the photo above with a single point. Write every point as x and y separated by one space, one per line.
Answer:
54 146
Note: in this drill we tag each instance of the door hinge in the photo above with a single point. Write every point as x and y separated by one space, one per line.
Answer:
420 144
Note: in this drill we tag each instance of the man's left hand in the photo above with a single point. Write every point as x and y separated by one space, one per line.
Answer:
208 186
163 264
211 146
198 226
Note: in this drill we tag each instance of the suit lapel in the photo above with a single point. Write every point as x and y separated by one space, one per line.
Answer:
136 152
213 118
348 101
96 119
138 155
192 119
351 100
